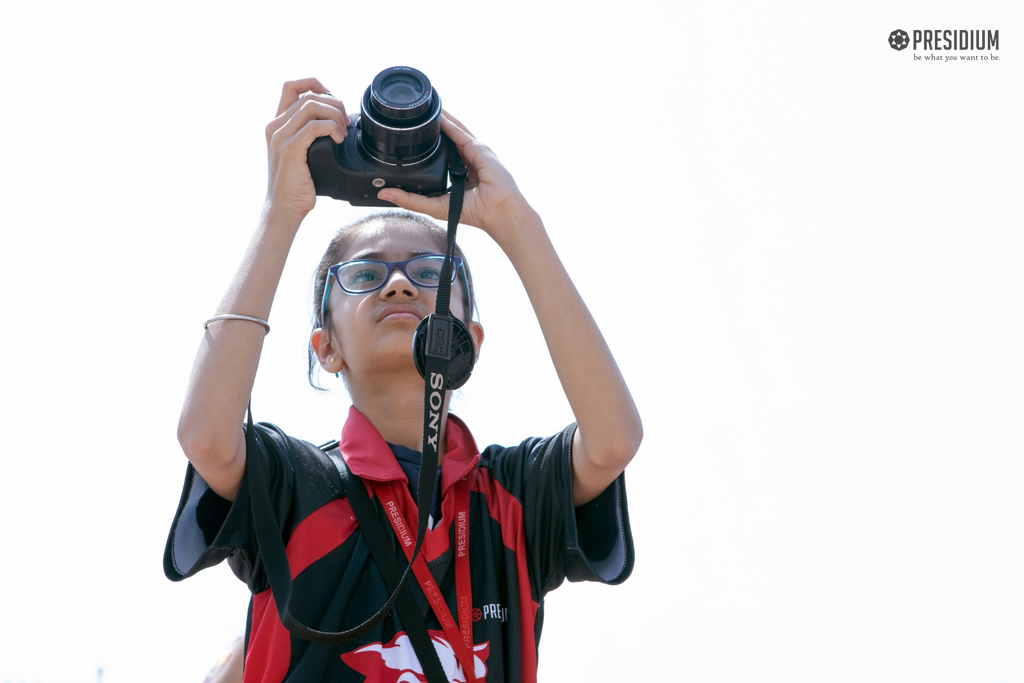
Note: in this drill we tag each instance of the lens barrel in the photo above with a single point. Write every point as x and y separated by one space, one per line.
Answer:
401 116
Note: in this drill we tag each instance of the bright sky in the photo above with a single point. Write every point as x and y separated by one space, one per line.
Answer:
803 246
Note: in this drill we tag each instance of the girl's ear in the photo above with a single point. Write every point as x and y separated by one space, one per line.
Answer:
476 330
326 351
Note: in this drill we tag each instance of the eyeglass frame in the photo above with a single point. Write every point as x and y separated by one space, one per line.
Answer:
332 273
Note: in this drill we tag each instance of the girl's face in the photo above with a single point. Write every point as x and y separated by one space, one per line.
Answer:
371 334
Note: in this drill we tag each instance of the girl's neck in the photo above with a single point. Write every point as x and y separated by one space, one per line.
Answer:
395 408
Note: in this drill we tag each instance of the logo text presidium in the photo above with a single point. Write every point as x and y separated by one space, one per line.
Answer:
951 39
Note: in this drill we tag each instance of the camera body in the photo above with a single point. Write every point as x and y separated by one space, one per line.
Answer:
395 142
348 172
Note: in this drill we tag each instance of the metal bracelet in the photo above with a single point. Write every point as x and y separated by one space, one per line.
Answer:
235 316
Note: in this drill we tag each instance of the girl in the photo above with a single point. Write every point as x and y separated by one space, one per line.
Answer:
509 523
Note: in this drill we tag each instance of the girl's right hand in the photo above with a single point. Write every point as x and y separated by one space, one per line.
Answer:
307 111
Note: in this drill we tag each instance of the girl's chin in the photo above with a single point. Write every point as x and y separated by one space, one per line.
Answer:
391 361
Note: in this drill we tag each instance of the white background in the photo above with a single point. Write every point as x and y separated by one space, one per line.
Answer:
804 248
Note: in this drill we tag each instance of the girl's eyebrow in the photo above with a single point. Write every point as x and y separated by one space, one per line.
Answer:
380 255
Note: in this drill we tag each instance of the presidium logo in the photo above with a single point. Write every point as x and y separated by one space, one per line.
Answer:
959 40
898 39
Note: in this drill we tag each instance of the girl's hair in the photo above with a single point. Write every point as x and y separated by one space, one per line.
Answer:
340 245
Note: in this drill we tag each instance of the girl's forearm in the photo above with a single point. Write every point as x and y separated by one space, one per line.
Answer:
597 393
225 367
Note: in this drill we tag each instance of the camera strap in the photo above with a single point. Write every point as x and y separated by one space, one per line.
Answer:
384 556
460 634
438 354
275 558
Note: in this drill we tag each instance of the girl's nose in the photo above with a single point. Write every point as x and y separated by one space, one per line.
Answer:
398 283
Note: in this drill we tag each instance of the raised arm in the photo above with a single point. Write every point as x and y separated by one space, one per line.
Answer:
209 429
610 430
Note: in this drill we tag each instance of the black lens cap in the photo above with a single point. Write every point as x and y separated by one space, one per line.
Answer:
462 351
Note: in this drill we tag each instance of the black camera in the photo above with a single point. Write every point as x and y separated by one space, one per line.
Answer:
395 142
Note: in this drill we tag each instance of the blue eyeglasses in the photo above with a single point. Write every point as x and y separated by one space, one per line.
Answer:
366 275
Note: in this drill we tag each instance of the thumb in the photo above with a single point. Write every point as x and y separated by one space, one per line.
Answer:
435 207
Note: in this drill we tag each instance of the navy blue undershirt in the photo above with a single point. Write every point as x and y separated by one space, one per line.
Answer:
409 460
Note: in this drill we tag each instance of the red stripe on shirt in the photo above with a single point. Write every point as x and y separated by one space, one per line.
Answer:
320 533
508 511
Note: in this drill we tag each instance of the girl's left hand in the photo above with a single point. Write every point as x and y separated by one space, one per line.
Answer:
492 198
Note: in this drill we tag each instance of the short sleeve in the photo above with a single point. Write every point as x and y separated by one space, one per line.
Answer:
208 529
603 543
199 533
589 543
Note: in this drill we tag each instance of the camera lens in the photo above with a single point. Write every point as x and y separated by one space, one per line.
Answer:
402 89
401 116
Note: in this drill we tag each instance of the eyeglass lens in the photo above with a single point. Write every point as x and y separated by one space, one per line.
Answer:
362 276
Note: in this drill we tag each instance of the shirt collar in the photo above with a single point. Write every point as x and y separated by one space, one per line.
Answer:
369 456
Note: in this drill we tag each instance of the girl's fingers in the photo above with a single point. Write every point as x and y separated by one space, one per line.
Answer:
436 207
459 124
302 112
473 153
292 89
456 131
329 100
305 136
